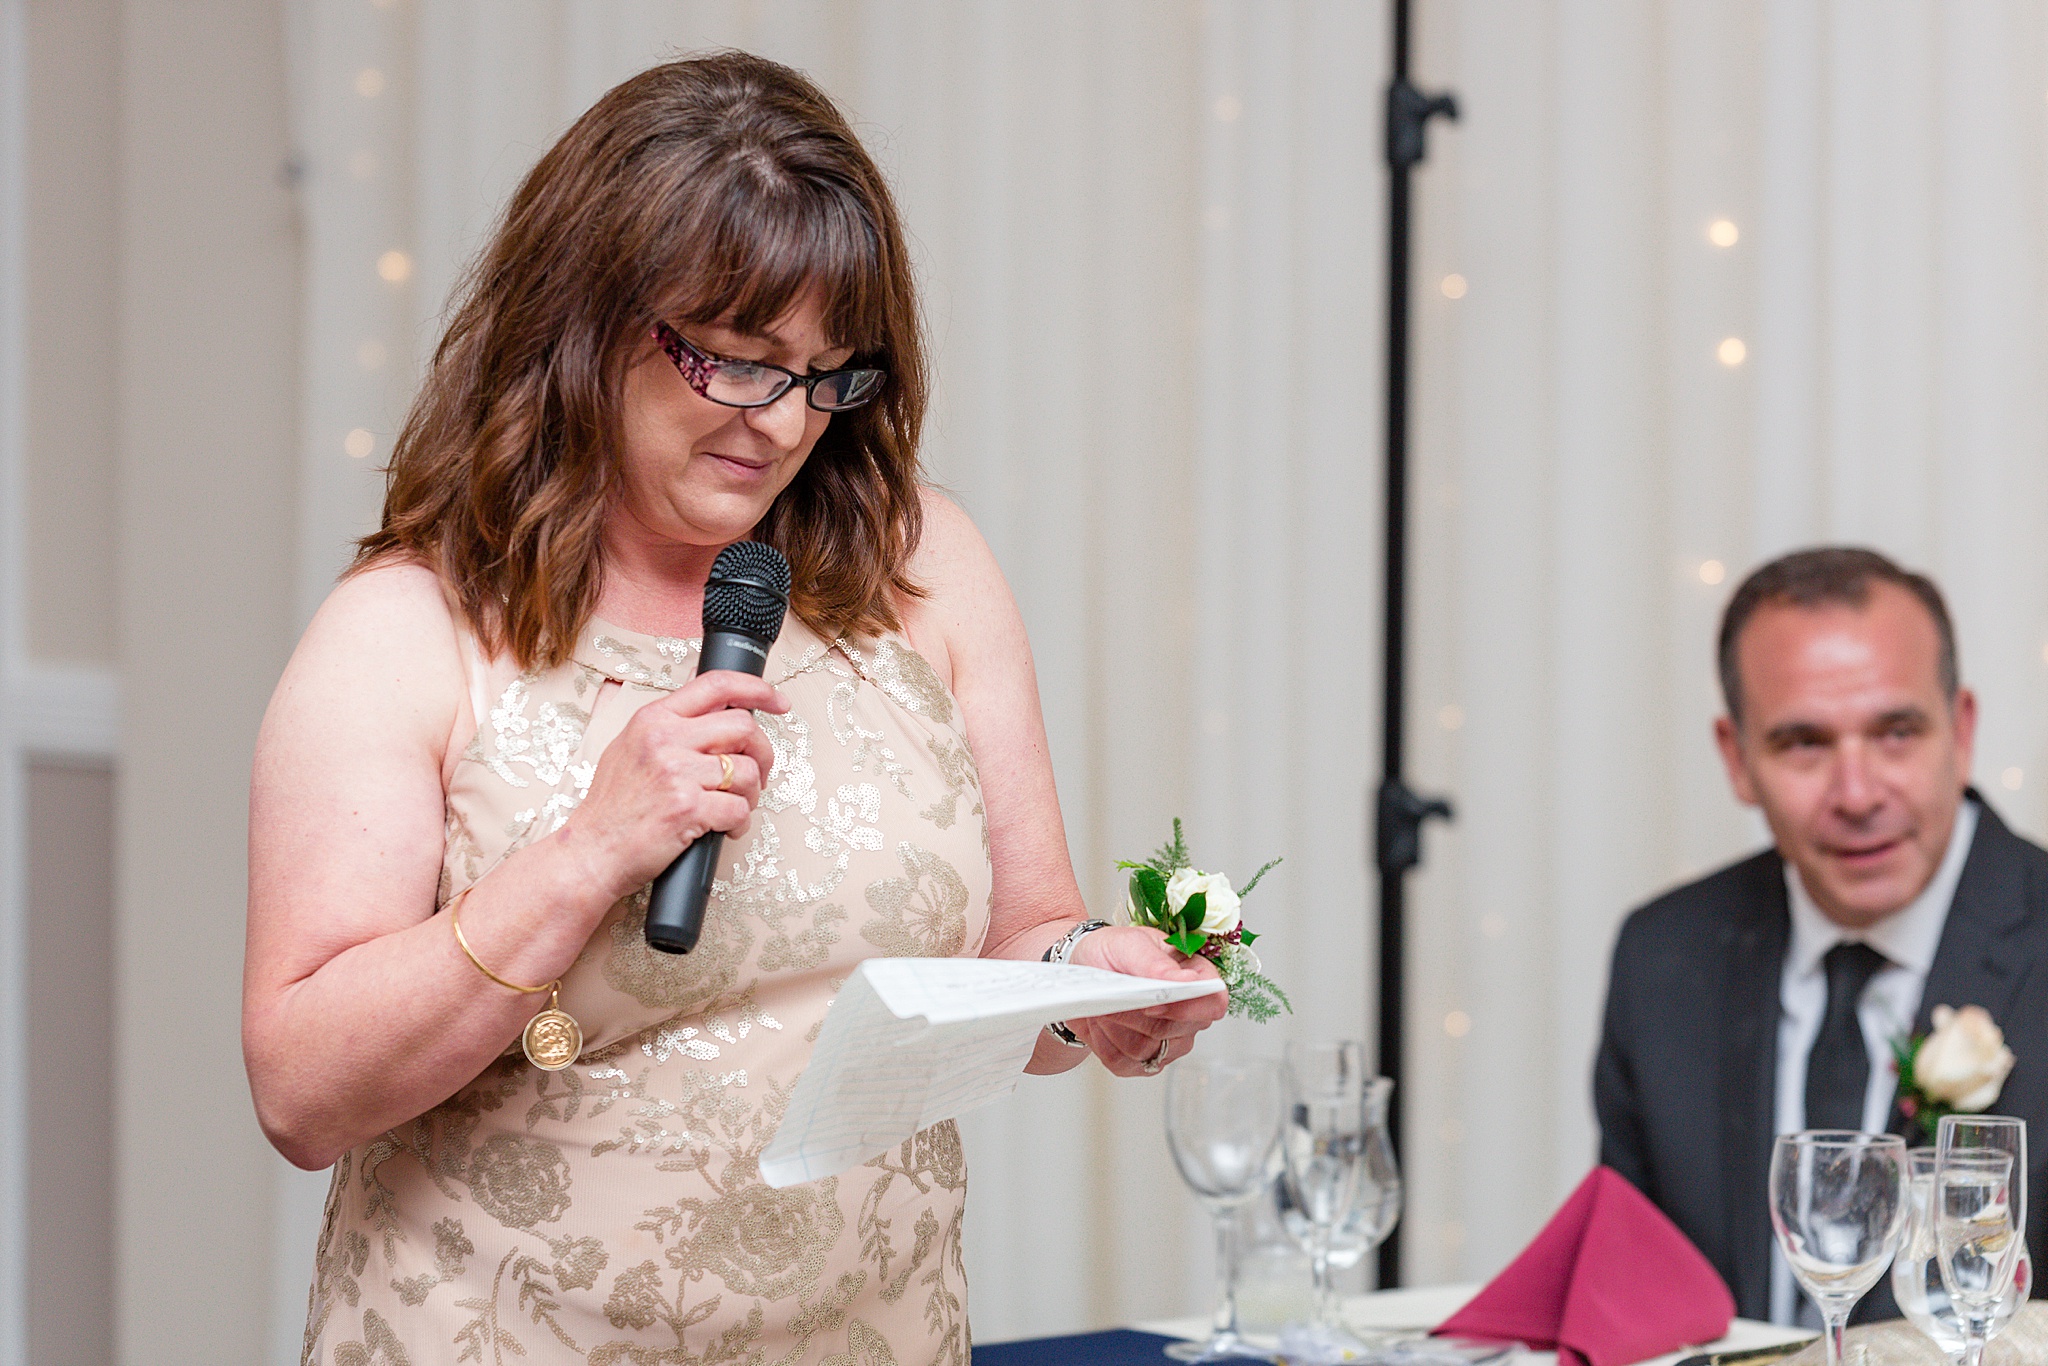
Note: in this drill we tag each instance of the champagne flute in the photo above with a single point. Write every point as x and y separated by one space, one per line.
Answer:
1222 1125
1916 1271
1839 1208
1324 1144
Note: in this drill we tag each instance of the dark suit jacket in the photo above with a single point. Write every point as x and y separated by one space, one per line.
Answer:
1685 1083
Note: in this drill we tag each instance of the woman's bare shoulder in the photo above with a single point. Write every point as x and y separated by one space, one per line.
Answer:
967 611
381 652
950 535
402 586
953 562
395 614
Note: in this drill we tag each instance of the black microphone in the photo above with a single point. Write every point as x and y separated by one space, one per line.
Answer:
744 601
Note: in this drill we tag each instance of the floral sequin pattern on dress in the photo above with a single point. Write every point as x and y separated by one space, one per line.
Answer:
613 1212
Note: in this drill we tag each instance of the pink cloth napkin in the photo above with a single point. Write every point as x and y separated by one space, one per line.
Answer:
1608 1281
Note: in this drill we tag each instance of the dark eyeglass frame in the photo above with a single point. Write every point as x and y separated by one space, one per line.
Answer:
697 369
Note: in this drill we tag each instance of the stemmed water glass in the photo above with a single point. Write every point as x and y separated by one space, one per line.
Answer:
1378 1207
1839 1207
1222 1125
1916 1271
1979 1208
1324 1144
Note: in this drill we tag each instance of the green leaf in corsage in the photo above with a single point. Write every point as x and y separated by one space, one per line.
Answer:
1148 889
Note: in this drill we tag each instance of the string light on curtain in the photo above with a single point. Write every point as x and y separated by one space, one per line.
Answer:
1454 286
1722 232
354 116
350 122
1712 572
1457 1024
1731 352
2012 778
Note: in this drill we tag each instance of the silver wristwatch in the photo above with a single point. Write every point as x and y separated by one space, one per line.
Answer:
1061 950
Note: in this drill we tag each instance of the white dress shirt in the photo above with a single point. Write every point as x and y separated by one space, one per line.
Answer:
1908 938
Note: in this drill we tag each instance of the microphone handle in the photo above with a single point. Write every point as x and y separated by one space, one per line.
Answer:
675 903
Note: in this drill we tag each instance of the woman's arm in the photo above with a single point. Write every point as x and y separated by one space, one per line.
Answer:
359 1011
970 629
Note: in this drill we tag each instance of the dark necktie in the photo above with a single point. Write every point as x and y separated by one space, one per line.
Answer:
1838 1068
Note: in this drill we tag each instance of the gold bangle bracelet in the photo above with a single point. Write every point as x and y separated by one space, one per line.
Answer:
460 938
552 1039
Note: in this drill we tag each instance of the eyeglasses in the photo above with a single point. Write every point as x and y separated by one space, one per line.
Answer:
756 383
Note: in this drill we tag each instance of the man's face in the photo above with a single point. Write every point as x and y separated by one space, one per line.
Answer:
1850 747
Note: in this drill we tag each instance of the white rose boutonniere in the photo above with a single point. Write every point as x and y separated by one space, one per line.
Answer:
1202 916
1958 1068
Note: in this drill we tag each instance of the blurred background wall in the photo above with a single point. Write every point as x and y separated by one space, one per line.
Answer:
1699 281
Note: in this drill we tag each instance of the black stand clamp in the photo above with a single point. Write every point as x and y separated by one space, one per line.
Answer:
1408 114
1401 814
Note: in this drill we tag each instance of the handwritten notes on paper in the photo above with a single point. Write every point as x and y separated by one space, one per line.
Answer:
912 1041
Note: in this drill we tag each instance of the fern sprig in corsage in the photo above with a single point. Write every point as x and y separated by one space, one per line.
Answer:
1201 917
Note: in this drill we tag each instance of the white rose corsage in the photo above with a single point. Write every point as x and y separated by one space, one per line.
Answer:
1201 915
1958 1068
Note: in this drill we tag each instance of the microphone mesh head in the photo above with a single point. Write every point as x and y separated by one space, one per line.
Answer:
748 591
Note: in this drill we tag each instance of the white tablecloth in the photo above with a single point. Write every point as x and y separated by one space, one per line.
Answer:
1423 1307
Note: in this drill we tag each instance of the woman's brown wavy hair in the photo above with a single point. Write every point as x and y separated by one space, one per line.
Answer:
720 189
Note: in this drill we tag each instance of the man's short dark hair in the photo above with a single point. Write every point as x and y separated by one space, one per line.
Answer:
1816 578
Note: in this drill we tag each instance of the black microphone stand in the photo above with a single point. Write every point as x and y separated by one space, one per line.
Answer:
1401 812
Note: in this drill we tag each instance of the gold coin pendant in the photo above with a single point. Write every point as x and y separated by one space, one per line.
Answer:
552 1038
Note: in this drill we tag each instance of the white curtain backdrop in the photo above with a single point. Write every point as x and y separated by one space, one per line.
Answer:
1598 475
1151 244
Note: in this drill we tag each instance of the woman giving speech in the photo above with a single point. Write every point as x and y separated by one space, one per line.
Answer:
695 325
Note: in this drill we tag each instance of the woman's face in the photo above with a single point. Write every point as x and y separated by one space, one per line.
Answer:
698 473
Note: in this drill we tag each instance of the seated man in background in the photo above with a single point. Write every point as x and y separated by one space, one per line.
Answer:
1765 998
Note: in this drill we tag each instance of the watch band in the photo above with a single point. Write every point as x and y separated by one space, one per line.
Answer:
1062 949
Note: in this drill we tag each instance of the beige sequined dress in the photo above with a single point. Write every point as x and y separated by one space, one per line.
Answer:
613 1212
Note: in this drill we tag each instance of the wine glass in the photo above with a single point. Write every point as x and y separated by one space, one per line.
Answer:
1378 1207
1979 1208
1324 1144
2002 1133
1916 1271
1222 1125
1839 1208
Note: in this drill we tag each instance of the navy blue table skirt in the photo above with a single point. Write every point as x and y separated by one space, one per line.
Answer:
1116 1347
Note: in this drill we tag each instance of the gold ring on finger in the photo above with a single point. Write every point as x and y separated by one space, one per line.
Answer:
725 773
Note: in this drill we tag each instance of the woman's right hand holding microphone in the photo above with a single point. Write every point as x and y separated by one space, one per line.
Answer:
685 764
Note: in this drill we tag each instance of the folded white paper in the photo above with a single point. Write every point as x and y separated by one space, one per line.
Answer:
912 1041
